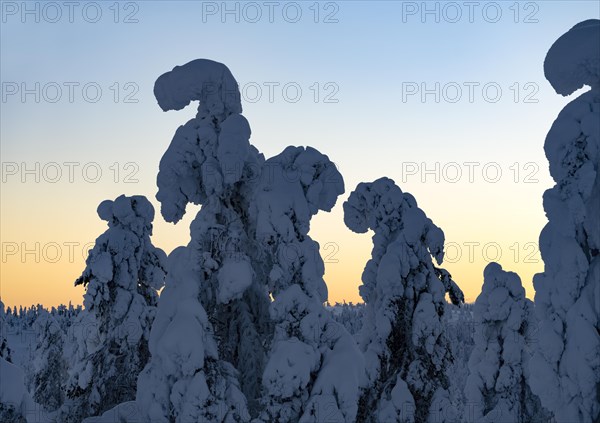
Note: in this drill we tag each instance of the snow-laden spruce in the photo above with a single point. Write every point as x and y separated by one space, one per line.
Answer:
233 290
211 162
49 364
455 294
349 315
123 275
314 370
459 328
5 352
201 163
14 398
566 368
405 349
185 380
497 388
249 239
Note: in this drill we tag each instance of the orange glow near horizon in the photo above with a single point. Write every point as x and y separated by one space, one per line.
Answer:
40 263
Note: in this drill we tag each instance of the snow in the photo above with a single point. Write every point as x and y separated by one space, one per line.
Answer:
14 398
498 382
49 364
184 356
102 266
126 412
234 277
293 187
211 162
250 237
400 406
402 334
574 59
202 80
339 367
565 371
123 274
203 160
288 371
234 147
338 382
5 350
179 316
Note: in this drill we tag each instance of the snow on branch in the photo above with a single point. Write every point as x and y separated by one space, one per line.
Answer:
202 80
574 59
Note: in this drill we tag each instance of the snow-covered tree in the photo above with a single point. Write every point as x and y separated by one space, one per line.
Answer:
348 314
185 380
227 271
566 368
208 342
459 328
5 352
497 388
123 275
314 370
49 365
455 294
405 348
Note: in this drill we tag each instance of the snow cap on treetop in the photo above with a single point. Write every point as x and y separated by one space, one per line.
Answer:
209 82
382 207
574 59
318 177
495 277
124 211
321 181
372 205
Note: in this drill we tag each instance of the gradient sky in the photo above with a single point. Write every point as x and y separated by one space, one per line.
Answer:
355 76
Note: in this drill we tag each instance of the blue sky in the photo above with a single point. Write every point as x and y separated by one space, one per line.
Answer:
364 62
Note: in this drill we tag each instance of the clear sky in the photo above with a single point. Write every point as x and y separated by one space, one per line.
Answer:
446 98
